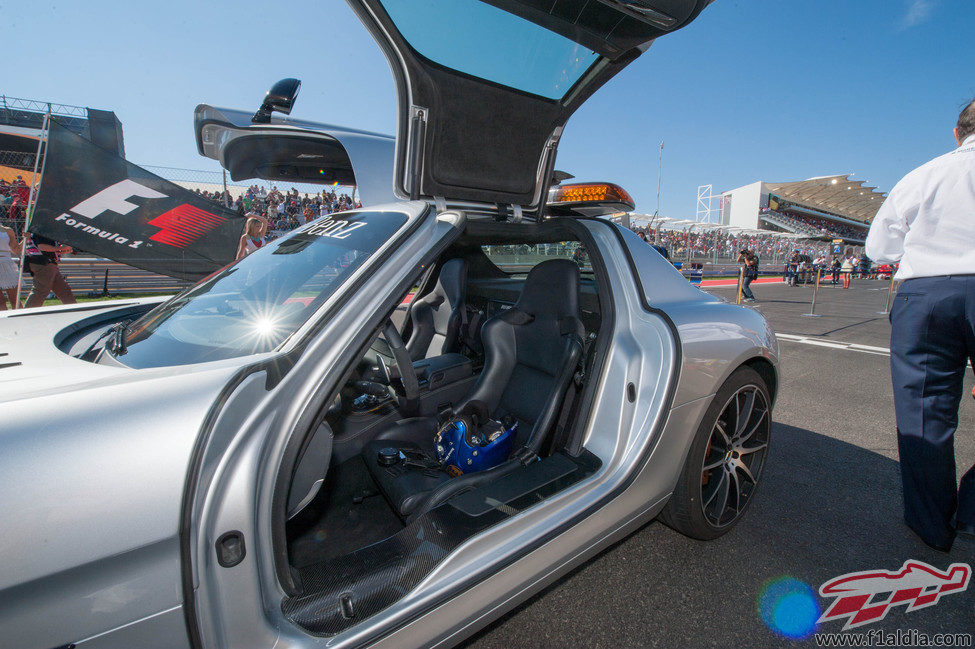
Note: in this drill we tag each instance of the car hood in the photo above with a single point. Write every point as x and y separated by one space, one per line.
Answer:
33 365
94 460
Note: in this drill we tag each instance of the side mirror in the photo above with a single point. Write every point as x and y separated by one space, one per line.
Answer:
281 98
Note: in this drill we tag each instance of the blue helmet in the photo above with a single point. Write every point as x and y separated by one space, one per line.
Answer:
470 441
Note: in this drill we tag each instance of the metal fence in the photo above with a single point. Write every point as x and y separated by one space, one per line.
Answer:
20 160
717 248
93 276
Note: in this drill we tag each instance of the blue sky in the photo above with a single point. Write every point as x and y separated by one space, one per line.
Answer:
753 90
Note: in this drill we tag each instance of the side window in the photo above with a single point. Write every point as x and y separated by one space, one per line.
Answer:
518 259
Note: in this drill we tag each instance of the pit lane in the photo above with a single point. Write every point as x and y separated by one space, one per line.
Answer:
829 503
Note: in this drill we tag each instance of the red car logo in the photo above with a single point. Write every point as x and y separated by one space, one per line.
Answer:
868 596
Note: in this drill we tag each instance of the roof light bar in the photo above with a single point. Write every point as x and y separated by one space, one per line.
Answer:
590 193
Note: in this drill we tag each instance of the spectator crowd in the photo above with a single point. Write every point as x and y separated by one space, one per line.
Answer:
707 244
817 226
284 211
798 262
13 200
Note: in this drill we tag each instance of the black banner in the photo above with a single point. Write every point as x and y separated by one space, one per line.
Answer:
100 203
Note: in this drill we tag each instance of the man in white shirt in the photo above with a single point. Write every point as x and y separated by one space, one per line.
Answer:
927 223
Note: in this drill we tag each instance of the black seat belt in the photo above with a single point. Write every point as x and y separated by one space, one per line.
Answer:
569 405
470 329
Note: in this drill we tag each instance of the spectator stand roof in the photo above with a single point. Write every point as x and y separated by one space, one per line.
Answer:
687 225
840 195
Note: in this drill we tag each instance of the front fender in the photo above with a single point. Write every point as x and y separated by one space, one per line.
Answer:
716 339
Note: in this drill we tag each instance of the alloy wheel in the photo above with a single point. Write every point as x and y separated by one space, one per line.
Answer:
735 455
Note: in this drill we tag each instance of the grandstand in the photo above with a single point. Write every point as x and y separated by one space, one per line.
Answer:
826 207
21 124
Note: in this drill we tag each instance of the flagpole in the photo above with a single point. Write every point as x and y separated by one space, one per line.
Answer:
660 163
35 188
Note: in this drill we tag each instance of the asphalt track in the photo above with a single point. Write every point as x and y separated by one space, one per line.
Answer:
829 504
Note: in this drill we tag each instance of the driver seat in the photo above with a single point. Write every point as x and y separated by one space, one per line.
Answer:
437 317
531 353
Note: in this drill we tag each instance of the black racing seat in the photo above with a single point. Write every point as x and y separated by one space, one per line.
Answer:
531 353
437 316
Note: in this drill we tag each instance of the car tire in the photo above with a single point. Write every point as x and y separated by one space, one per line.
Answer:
723 443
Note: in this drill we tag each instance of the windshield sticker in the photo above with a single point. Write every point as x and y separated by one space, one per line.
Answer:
333 229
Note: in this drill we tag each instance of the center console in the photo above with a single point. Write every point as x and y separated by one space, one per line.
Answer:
435 372
444 380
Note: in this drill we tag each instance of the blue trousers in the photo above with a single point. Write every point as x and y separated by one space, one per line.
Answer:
932 337
746 290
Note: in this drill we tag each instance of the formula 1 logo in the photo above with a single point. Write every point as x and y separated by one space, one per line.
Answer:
178 227
115 198
866 597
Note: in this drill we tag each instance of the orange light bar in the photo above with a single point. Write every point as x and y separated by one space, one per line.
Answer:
591 193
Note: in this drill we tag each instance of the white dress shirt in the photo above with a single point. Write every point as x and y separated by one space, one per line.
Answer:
927 222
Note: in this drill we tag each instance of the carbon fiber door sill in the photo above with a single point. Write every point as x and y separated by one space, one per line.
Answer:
341 592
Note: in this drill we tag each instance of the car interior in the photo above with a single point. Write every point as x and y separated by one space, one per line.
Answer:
460 413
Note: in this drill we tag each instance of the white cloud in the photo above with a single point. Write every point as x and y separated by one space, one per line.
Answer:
918 11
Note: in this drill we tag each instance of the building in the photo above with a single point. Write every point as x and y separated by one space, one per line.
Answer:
827 207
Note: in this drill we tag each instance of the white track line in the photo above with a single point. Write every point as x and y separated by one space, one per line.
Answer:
835 344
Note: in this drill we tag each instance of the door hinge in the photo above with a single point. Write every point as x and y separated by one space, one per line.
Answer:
545 171
516 210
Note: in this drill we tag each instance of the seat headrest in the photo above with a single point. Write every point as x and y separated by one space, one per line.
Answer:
452 280
551 290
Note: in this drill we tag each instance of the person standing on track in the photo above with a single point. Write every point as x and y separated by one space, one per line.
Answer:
749 262
255 232
43 256
792 268
9 271
834 264
927 223
847 269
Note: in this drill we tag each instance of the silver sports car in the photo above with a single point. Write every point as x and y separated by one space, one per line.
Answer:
396 423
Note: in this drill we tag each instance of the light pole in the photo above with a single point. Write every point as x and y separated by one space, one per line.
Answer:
660 162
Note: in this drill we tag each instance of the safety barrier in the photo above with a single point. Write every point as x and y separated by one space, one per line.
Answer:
95 276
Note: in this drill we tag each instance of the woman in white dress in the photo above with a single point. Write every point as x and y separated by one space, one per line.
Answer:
9 272
253 238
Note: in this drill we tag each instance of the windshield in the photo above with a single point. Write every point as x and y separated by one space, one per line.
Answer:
254 305
475 38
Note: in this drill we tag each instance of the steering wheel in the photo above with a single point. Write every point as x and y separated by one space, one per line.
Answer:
409 401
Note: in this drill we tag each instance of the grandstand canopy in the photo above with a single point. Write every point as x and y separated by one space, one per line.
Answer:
835 194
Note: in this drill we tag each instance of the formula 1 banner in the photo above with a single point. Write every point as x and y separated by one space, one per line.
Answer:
97 202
